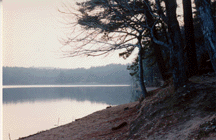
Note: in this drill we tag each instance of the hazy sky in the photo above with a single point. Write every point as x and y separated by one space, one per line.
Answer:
30 37
31 29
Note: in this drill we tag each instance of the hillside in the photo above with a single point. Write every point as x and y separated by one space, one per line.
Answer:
187 114
110 74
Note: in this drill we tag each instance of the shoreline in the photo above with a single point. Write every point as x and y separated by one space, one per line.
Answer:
111 118
118 108
187 113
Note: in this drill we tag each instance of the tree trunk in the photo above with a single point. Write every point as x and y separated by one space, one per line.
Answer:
176 51
141 71
157 50
189 38
208 28
160 61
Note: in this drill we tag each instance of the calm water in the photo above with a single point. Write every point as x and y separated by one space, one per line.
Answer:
30 109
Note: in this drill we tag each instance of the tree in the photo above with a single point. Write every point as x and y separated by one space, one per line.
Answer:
208 28
157 48
135 18
190 40
176 51
109 25
121 23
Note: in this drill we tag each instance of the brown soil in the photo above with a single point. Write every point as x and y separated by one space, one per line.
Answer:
189 113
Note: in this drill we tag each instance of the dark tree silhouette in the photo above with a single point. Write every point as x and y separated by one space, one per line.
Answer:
208 27
103 26
176 51
119 24
190 40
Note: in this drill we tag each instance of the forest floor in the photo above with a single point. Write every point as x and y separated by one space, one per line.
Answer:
189 113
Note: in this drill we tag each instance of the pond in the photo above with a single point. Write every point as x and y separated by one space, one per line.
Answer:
30 109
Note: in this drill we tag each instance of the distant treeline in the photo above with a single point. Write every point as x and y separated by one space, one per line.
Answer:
110 74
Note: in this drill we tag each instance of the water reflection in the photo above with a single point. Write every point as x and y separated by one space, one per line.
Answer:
108 95
23 119
29 110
